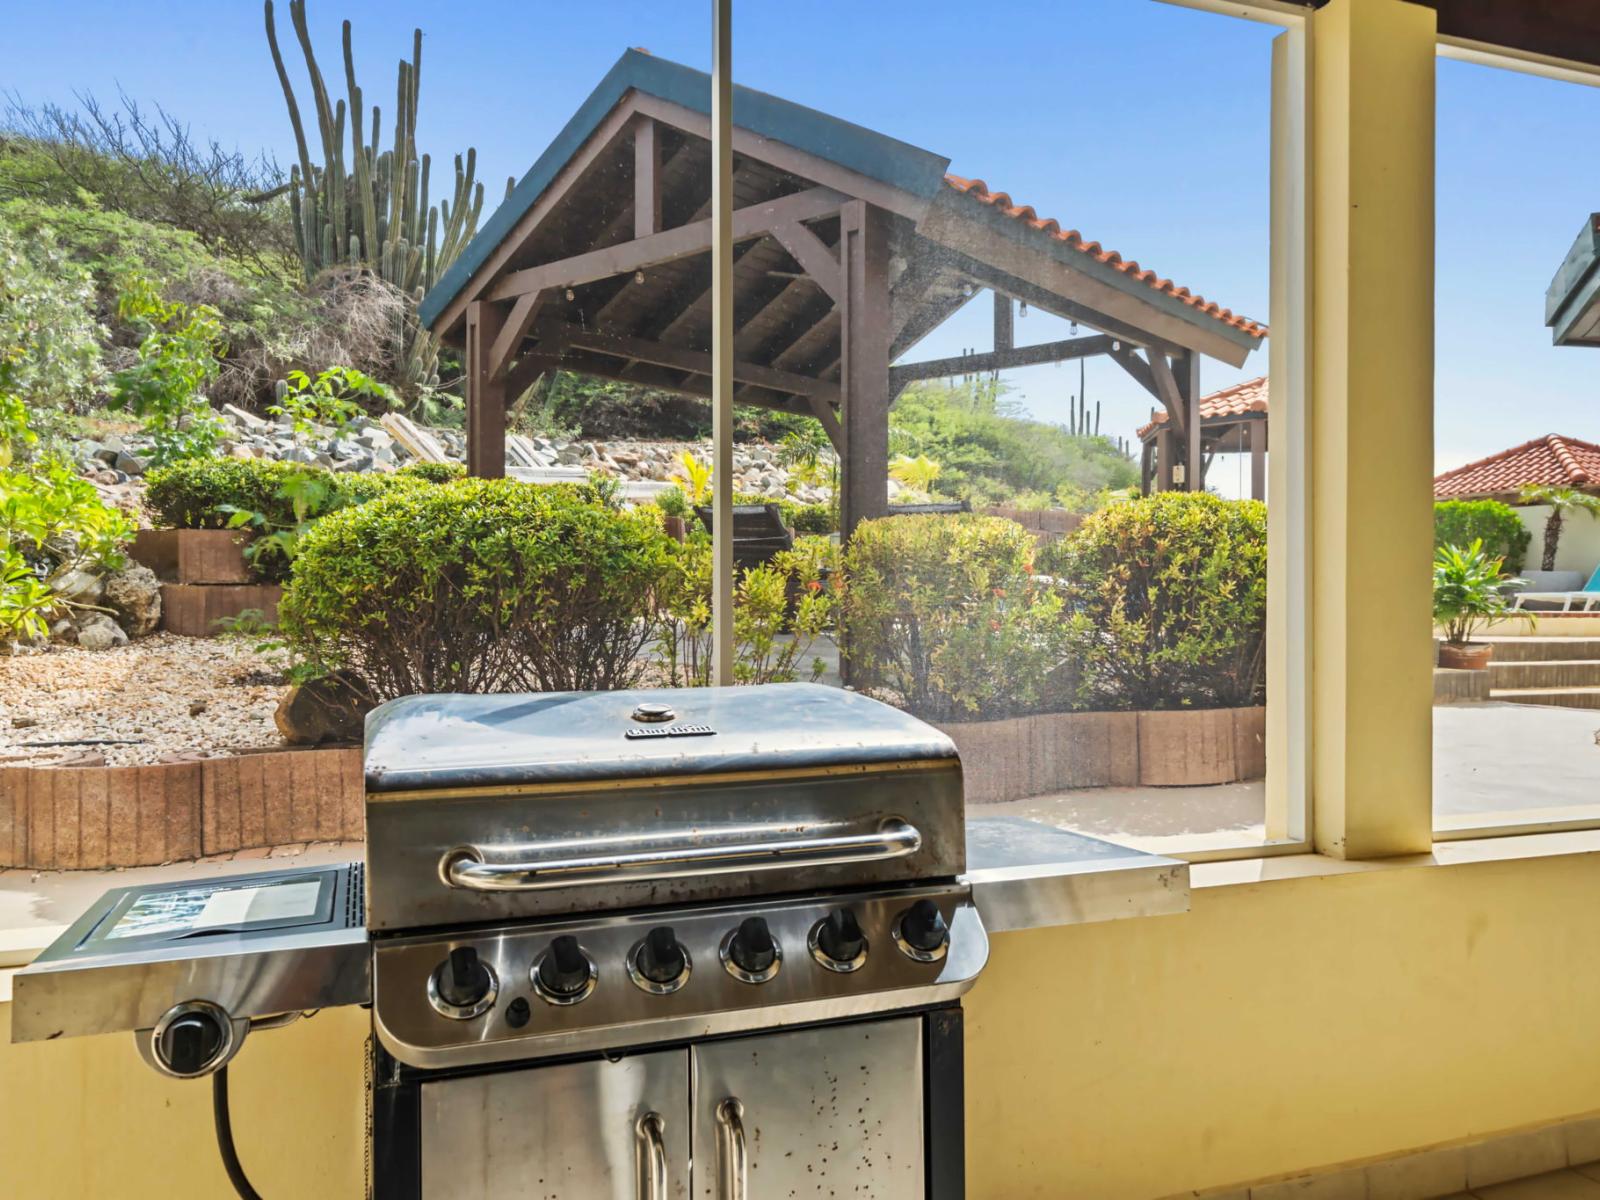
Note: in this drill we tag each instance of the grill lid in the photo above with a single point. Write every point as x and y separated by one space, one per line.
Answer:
455 741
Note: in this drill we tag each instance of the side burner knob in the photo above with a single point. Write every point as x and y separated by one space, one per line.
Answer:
565 974
750 953
191 1043
921 931
462 986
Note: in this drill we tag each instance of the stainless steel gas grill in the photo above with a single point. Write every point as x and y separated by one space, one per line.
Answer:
705 942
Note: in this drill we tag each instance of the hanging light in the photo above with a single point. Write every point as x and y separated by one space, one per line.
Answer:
638 276
571 295
1022 308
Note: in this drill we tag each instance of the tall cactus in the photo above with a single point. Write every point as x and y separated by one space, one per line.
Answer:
371 209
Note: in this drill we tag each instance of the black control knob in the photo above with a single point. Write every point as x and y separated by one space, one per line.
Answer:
661 958
190 1042
922 928
752 949
462 980
564 972
840 937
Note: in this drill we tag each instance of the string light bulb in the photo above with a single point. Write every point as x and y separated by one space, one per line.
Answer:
638 276
1022 308
571 295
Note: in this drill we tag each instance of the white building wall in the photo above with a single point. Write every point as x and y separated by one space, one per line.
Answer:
1580 540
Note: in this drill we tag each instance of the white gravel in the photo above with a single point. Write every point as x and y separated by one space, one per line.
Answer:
159 696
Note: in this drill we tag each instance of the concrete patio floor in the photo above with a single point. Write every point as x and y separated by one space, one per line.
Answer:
1493 764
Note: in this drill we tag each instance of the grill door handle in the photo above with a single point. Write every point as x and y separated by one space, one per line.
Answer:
652 1156
468 867
733 1159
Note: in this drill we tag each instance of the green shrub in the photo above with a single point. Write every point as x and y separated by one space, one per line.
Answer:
793 594
1496 525
1166 601
178 356
433 472
476 586
809 518
199 493
672 502
48 335
944 611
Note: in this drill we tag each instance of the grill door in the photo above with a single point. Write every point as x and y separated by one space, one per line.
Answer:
579 1131
814 1113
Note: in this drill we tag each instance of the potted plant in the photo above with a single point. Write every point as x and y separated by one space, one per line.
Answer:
1467 594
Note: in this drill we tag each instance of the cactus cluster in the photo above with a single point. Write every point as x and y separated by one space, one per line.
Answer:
1078 421
367 207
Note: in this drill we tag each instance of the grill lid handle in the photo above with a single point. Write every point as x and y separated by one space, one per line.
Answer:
603 860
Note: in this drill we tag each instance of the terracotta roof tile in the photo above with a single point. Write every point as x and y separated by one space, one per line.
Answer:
1552 460
1049 227
1247 397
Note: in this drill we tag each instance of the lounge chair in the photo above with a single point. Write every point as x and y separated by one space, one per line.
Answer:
1586 598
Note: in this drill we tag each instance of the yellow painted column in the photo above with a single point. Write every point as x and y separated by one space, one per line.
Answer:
1371 405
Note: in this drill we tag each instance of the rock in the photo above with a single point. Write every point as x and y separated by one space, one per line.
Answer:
24 722
104 634
329 709
114 444
132 464
136 595
82 587
196 707
63 631
297 454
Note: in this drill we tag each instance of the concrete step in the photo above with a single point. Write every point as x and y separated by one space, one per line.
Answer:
1578 697
1554 673
1542 648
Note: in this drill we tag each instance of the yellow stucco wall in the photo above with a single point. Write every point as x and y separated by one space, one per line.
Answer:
1277 1026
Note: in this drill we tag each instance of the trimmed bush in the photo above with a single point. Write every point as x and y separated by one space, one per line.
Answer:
433 472
944 611
476 586
201 493
1496 525
1167 602
809 518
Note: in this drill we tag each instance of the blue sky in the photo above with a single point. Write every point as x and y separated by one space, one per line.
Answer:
1141 124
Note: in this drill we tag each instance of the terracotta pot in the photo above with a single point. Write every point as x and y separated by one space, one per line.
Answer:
1466 656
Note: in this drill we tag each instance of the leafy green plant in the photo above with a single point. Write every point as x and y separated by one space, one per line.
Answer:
1496 525
26 603
810 518
49 339
177 359
431 472
329 399
1166 602
779 610
1562 502
1468 591
672 502
476 586
917 473
309 495
696 477
944 611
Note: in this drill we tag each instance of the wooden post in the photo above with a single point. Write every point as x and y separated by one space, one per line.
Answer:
722 342
1145 468
1186 368
1166 445
864 366
486 393
1257 431
1005 328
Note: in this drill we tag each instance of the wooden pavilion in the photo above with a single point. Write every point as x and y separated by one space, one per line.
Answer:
1232 421
850 247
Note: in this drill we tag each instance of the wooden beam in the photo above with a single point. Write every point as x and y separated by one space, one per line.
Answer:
864 255
824 413
925 319
1000 360
486 393
753 220
523 314
1005 326
787 158
646 179
1122 354
1165 441
657 354
1145 465
1186 371
817 259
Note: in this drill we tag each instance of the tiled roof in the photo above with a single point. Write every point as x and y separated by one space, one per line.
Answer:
1247 397
1552 460
1049 227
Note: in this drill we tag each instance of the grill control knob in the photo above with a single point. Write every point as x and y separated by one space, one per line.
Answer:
661 958
837 941
565 974
462 986
750 953
191 1042
921 932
